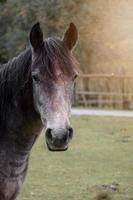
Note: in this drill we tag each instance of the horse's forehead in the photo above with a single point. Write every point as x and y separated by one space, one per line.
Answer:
58 70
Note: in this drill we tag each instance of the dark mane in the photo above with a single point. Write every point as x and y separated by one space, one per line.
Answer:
13 75
53 54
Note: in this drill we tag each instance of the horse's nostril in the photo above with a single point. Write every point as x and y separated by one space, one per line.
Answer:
65 137
70 132
49 134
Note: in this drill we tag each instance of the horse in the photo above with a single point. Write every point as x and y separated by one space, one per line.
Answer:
36 91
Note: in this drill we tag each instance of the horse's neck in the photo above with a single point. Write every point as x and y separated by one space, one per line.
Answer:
19 122
16 141
16 95
19 128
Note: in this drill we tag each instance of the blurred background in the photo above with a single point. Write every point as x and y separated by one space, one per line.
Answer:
104 50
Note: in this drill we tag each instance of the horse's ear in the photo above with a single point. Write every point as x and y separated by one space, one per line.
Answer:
70 36
36 36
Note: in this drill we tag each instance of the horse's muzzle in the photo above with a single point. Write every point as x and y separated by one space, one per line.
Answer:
58 140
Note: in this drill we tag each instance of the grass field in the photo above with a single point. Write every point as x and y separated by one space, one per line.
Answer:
98 164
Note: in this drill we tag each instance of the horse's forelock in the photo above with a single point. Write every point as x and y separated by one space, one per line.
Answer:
54 54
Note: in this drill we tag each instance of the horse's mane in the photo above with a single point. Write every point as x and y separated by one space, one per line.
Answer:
12 76
13 72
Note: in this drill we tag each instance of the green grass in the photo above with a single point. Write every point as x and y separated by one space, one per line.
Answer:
101 153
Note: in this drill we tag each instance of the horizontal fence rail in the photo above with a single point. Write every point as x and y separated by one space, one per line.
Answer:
105 76
104 90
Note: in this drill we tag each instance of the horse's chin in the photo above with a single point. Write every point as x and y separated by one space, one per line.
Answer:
56 149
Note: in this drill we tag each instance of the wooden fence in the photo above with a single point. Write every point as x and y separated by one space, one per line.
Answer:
104 90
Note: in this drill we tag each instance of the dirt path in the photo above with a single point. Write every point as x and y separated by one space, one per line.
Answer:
97 112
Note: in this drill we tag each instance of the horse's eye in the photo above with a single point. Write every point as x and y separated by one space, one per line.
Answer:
75 76
35 78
